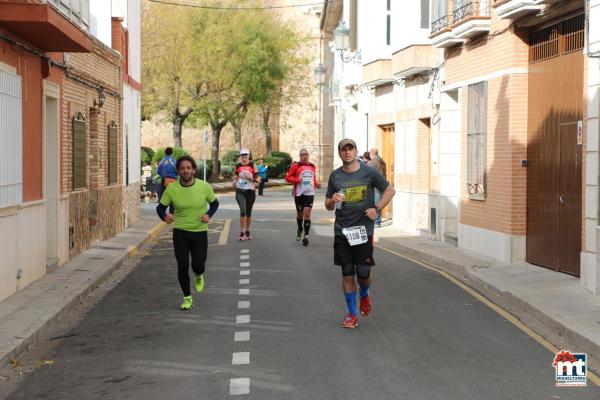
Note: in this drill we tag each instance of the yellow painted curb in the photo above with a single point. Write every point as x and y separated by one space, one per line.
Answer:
132 250
505 314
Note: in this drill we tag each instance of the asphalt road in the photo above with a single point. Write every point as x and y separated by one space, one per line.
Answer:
272 329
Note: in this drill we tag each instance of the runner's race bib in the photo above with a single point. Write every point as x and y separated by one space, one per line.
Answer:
356 235
307 179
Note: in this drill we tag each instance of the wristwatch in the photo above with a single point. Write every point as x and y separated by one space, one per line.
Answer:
377 209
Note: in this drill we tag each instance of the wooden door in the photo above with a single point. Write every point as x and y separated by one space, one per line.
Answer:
554 170
569 221
387 153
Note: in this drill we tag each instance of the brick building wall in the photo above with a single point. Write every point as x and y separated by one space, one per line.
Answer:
501 59
95 211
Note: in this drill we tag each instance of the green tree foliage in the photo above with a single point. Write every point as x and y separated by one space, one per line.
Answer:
230 158
210 67
146 156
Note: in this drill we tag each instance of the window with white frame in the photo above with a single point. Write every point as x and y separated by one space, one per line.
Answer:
11 136
477 141
439 15
388 23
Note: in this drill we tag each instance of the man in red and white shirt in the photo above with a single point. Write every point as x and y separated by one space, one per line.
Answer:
303 174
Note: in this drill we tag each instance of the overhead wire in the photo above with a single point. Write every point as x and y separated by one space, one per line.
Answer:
234 8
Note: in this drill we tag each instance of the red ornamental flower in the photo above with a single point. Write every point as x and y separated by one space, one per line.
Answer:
564 356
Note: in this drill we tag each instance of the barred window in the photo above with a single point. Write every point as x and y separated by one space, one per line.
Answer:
477 141
79 152
112 153
11 132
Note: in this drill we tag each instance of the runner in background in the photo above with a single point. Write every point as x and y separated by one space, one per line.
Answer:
303 174
245 179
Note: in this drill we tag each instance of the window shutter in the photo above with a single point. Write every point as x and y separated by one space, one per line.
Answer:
112 153
11 136
79 152
477 140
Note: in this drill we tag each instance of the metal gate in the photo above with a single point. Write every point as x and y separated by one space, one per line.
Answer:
554 172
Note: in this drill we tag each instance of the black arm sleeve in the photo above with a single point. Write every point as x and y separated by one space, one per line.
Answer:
161 211
214 206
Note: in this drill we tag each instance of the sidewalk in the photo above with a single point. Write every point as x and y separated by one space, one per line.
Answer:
552 304
28 316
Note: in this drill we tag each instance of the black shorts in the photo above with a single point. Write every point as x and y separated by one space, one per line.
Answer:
303 201
344 254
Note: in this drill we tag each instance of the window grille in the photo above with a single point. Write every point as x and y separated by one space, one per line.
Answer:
477 140
79 152
557 39
112 153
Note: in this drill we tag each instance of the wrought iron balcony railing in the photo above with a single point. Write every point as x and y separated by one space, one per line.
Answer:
472 9
440 24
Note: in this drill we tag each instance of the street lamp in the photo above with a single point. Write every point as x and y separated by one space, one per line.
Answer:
319 72
341 36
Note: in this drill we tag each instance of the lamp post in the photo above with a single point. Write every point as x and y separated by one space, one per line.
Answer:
319 76
341 36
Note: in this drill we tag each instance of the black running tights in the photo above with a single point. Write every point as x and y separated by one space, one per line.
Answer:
185 244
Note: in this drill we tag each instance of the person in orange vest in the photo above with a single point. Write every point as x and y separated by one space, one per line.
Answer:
303 174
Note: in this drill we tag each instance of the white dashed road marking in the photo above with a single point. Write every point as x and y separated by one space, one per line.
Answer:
242 319
241 358
239 386
243 304
242 336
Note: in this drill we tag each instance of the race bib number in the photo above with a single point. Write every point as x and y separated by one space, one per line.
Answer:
307 179
246 175
356 235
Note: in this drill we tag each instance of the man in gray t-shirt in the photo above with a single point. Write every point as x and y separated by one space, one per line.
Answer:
350 192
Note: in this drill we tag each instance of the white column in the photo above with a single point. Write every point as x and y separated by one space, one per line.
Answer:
590 259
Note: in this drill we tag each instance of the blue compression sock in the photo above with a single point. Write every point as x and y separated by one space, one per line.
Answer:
364 291
351 302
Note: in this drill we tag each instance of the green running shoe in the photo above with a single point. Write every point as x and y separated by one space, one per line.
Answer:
188 303
199 283
298 235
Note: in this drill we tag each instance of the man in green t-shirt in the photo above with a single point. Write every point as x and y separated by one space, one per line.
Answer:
191 198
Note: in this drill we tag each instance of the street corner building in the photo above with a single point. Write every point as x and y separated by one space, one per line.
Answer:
486 113
69 132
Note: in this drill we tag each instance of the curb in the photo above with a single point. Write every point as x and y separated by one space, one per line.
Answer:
43 331
534 318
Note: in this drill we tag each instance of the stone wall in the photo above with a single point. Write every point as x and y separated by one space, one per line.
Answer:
131 204
78 222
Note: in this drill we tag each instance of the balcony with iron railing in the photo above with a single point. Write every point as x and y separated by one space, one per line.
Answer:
513 9
465 21
50 25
